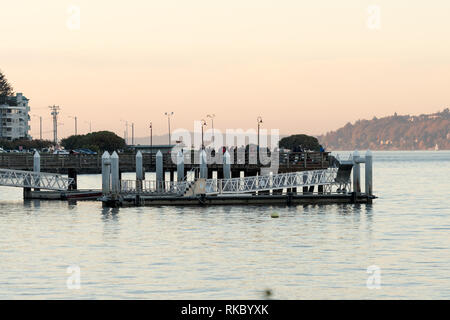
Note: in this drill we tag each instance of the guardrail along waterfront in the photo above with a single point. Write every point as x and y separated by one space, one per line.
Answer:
288 162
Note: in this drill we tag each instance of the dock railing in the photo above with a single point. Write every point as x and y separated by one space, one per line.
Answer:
24 161
250 184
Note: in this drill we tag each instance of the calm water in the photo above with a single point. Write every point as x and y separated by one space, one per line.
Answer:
237 252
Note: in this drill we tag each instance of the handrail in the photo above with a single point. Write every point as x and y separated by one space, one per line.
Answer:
237 185
30 179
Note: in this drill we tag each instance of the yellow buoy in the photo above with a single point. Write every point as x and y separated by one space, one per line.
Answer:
274 215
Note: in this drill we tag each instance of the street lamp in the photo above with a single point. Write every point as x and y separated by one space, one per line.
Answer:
259 120
151 135
212 116
203 125
40 125
75 118
169 114
125 134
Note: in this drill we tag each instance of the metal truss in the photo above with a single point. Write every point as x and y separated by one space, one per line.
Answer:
155 187
271 182
326 178
30 179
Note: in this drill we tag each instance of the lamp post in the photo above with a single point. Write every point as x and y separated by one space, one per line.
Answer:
169 114
40 125
151 135
212 116
151 142
125 134
259 120
76 129
203 125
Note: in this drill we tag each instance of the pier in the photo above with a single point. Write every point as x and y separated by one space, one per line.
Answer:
300 179
288 162
321 186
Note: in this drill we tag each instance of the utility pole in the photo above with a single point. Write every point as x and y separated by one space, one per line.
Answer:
54 114
40 127
132 133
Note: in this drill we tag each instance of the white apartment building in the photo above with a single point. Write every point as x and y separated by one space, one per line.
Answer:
14 117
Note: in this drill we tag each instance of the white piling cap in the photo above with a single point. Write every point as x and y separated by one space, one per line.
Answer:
356 153
227 157
159 154
203 156
37 155
139 154
115 155
368 153
105 155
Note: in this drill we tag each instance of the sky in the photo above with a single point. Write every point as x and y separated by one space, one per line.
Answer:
303 66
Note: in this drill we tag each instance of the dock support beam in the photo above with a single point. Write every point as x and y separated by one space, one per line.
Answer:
139 172
356 173
368 173
72 173
226 165
203 165
106 173
180 166
159 171
37 167
115 179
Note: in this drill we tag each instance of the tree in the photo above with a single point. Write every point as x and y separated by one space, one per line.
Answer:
97 141
25 143
5 88
296 140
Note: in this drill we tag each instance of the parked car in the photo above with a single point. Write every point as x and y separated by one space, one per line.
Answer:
61 152
86 151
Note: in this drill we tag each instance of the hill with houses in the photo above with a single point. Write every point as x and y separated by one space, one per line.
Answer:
396 132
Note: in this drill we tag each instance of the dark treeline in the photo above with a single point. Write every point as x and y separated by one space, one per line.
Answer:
96 141
25 144
303 141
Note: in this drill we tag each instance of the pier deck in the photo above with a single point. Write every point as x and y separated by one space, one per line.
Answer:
288 162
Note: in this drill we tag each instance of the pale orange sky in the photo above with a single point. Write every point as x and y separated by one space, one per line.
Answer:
304 66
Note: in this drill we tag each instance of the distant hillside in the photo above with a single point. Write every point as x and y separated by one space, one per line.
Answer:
423 132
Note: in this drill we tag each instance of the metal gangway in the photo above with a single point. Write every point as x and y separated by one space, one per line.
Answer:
325 178
30 179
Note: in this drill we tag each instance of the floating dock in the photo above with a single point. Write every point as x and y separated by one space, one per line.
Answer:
286 199
324 186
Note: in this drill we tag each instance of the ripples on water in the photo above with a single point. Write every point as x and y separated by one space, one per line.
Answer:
234 252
